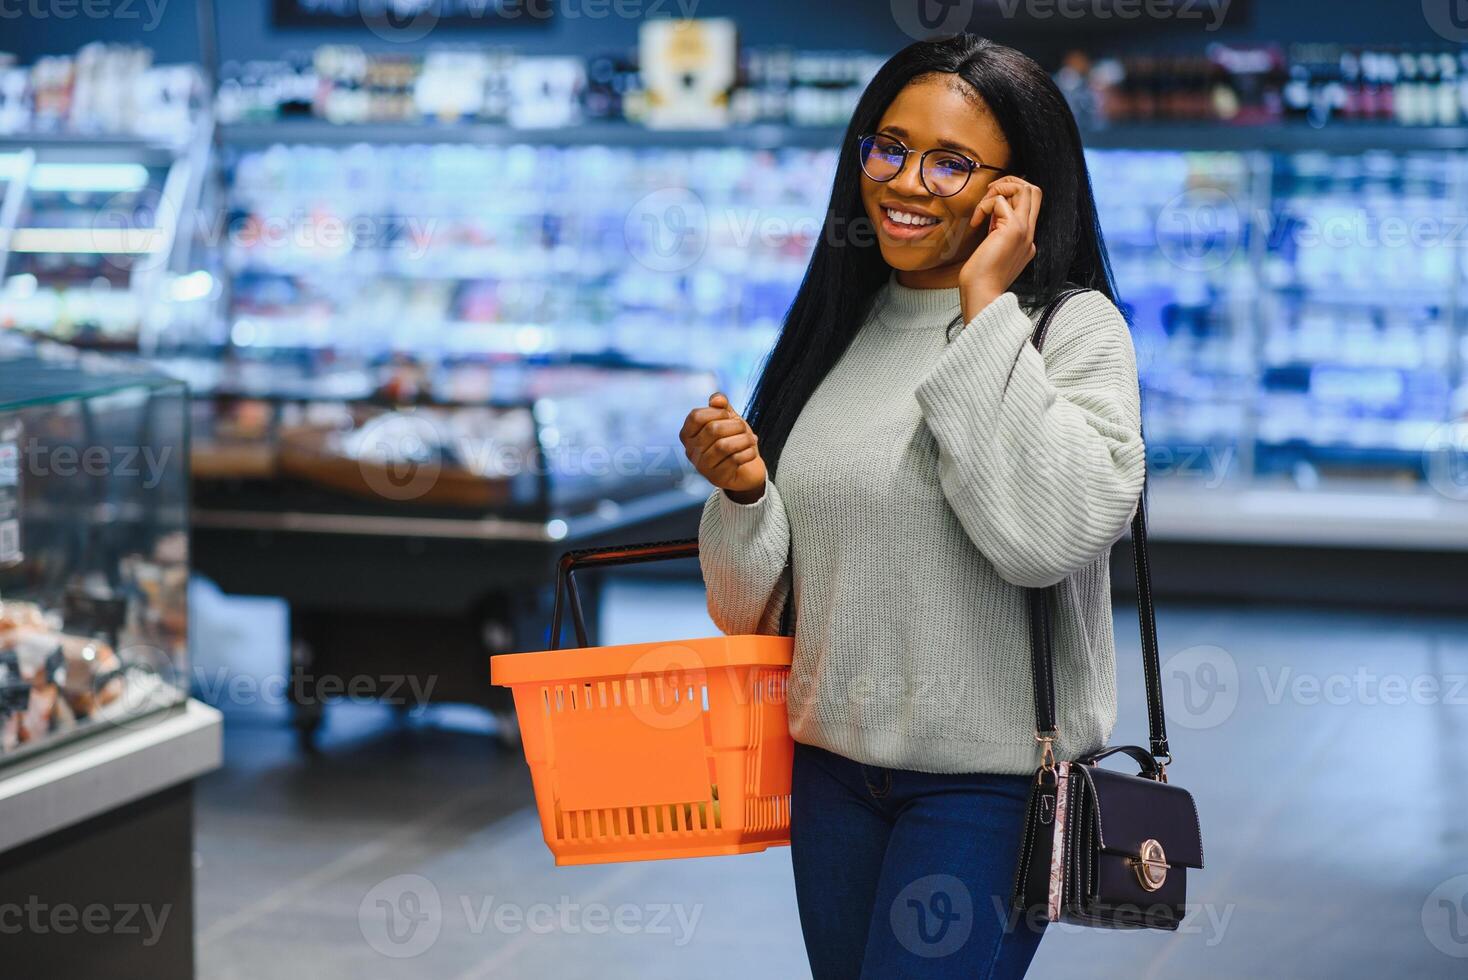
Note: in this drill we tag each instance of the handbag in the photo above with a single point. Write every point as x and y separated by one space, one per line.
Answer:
1102 847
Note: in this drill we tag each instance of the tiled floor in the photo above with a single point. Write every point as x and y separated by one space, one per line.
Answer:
1328 752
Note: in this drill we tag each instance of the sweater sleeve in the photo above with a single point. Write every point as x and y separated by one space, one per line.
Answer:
743 551
1041 458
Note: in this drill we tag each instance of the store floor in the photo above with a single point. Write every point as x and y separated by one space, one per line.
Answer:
1328 752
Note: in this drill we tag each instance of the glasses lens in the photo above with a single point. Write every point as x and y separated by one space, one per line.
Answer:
881 158
945 173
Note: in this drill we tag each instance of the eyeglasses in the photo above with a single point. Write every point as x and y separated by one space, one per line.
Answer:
944 172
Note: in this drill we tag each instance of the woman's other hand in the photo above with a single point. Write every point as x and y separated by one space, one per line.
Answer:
724 450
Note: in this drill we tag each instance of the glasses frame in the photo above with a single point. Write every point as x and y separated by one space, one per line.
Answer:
907 153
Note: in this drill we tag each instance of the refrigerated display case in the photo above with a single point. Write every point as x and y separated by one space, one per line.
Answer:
99 741
101 242
672 249
94 557
411 512
1261 381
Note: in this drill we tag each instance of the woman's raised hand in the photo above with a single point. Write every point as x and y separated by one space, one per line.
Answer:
1011 206
724 449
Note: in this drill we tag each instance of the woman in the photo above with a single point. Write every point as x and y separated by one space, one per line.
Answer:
909 463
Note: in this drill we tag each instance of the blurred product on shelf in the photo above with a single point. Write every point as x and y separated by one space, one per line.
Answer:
691 74
688 70
103 158
522 249
1189 288
94 551
1356 358
95 254
1309 83
104 89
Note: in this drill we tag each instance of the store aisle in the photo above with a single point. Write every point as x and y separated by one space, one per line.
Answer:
1300 733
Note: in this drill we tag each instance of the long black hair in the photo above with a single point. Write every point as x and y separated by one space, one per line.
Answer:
847 269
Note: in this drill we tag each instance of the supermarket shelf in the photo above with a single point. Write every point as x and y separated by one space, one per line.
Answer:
1340 137
605 519
585 134
84 148
1356 518
1337 138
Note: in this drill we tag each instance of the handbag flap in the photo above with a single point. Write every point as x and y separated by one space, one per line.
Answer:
1132 809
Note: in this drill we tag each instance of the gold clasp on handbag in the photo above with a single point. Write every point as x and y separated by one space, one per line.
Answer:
1150 865
1047 753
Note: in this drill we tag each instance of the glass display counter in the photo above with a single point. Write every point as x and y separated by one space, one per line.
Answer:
94 554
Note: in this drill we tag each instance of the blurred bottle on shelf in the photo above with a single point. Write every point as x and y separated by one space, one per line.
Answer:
104 89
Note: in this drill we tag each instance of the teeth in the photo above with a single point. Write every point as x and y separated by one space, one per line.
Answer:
907 218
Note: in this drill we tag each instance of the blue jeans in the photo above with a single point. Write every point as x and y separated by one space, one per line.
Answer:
907 874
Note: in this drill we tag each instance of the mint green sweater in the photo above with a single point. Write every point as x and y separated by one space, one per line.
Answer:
922 486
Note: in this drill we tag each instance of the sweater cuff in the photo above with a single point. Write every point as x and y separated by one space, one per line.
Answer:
760 527
970 376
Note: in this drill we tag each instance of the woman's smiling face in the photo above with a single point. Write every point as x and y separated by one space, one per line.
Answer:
919 233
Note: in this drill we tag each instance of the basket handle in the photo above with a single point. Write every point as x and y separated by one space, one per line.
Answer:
625 554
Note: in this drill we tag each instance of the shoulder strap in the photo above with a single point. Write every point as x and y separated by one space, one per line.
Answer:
1042 660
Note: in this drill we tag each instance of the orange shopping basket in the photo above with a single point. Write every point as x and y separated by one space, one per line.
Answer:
653 750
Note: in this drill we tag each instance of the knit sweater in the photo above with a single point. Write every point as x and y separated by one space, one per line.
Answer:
924 484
